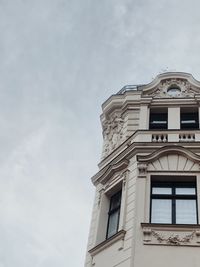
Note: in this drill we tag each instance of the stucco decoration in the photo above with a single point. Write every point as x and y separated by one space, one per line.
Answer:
182 84
173 162
186 89
168 151
171 235
168 158
142 170
173 239
112 133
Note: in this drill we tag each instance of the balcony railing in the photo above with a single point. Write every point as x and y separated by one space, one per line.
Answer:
187 137
166 136
160 137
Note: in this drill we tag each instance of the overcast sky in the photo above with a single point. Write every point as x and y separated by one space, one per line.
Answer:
59 60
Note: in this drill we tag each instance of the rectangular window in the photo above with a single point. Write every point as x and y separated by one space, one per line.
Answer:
174 202
158 119
114 214
189 118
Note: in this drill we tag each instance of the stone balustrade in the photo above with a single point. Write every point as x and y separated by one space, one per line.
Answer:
186 137
159 137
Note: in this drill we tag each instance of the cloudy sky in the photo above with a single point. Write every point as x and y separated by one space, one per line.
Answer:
59 60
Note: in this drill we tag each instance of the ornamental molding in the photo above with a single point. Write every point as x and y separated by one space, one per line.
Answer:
173 239
159 86
106 174
161 91
169 150
171 235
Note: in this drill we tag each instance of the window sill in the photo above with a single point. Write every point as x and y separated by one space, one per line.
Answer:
108 242
171 234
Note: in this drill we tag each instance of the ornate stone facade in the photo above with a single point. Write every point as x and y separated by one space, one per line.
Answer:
134 158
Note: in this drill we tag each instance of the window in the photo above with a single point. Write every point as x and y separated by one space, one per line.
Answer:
189 118
113 214
174 91
158 119
174 202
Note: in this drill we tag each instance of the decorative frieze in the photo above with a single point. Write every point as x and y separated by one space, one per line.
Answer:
172 235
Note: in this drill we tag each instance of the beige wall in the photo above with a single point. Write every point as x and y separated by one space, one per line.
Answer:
131 251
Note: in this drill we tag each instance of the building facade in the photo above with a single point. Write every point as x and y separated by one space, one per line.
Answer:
146 207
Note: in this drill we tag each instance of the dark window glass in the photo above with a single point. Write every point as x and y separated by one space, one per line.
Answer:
158 121
174 203
113 214
189 120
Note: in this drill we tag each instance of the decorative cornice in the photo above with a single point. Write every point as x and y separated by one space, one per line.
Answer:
166 150
135 148
130 144
104 175
170 75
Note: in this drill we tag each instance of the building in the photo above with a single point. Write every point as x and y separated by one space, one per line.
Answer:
146 207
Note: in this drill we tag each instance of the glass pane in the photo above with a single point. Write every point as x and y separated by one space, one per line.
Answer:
186 211
161 211
186 191
113 224
115 201
162 190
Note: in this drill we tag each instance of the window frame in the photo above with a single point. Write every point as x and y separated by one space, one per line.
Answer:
173 196
160 113
112 211
194 114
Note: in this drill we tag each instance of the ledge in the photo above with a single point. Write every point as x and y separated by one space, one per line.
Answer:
108 242
171 234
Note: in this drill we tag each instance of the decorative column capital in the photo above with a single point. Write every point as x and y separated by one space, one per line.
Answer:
142 170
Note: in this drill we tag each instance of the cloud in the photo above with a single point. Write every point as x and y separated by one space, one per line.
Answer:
59 61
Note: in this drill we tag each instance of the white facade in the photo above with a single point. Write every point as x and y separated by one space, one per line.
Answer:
151 143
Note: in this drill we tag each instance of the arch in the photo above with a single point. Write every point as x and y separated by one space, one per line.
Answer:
170 75
169 150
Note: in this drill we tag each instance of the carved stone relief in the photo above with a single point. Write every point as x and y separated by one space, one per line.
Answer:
190 237
112 133
173 239
182 84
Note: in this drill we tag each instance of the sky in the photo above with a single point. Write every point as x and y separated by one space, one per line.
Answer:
59 61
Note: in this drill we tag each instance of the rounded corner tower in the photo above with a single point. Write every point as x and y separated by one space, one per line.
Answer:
146 207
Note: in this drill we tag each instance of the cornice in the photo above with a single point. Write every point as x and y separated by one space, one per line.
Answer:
129 143
105 174
155 150
169 149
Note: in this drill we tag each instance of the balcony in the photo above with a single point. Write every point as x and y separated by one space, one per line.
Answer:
157 137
